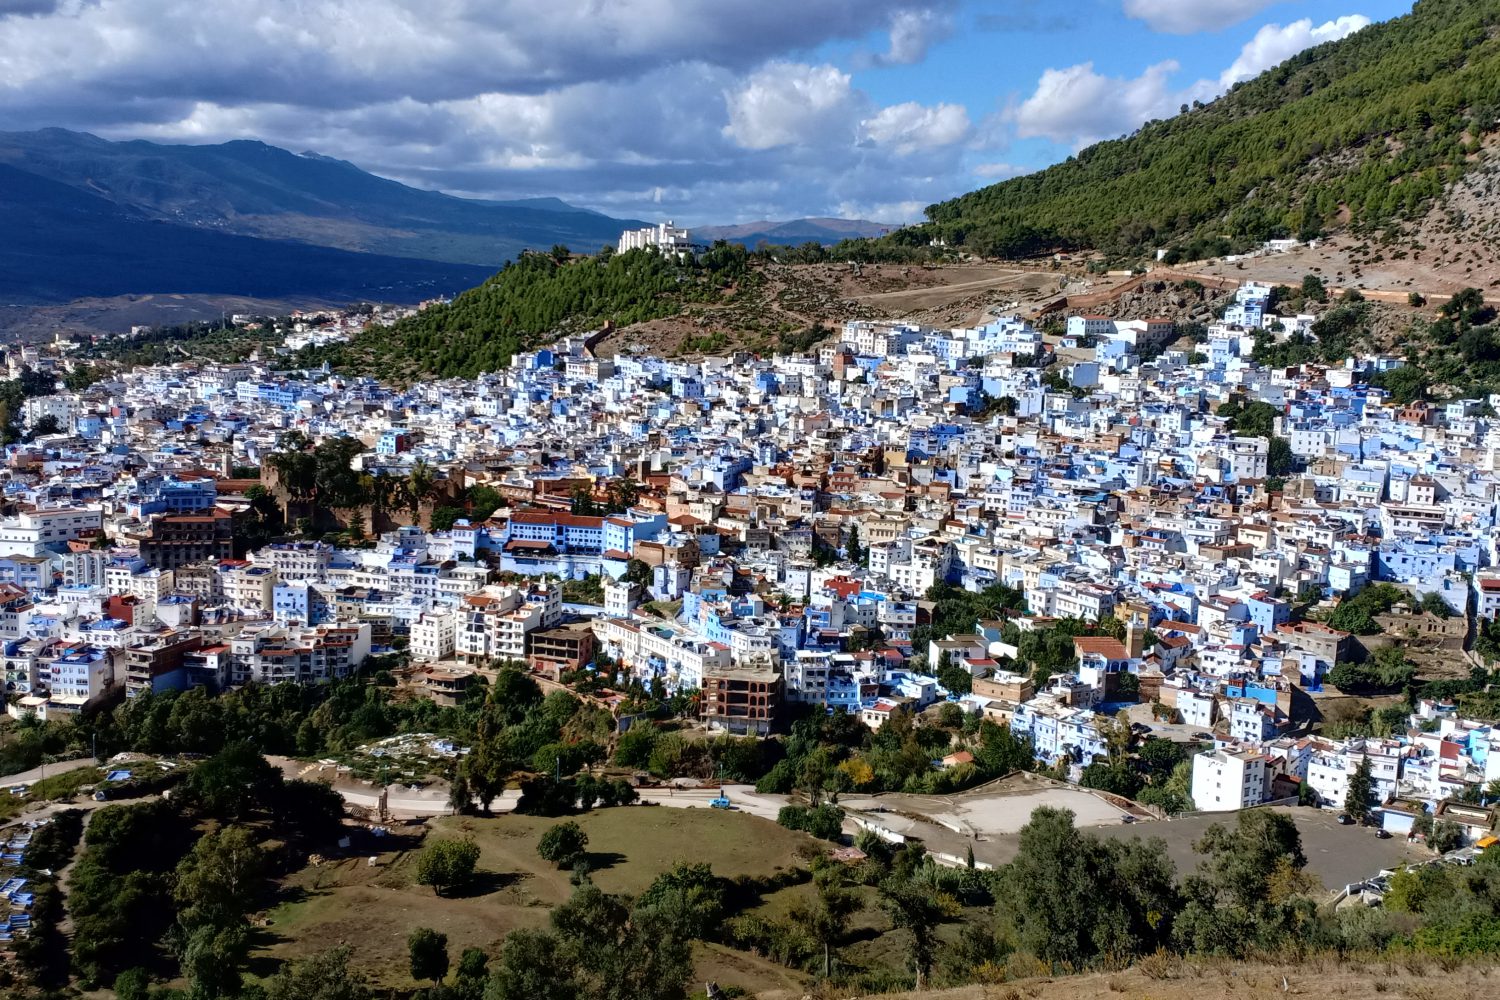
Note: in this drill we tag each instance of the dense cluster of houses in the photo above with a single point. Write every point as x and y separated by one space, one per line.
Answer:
788 518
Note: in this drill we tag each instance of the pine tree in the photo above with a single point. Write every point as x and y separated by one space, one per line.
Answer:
1357 801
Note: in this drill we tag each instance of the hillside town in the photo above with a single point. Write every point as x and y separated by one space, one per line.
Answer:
760 535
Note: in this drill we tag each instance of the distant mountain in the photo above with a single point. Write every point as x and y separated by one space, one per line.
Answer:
792 232
223 218
61 243
1364 132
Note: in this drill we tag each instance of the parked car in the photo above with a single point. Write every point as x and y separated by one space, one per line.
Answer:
1382 834
1203 736
1345 819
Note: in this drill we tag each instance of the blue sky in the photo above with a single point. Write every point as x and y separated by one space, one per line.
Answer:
997 52
701 110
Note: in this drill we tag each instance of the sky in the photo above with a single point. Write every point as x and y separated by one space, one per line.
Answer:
702 111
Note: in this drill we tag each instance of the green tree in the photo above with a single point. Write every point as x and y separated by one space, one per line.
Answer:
234 781
323 976
1361 788
1001 751
691 895
428 953
597 948
852 549
1446 836
212 957
919 908
217 883
563 844
133 984
637 571
1075 897
1313 288
1246 891
472 974
447 864
825 920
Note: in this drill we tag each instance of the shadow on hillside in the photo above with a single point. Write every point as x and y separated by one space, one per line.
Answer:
484 883
600 860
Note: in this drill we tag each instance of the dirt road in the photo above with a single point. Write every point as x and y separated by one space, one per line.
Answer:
38 773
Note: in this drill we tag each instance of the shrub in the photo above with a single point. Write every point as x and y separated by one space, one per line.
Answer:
563 844
825 821
447 864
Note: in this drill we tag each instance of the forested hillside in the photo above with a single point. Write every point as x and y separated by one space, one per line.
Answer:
1365 132
532 300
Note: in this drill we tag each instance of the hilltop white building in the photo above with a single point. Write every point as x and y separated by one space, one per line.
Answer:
663 237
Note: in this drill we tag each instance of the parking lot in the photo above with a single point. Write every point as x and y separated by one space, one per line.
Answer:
1337 855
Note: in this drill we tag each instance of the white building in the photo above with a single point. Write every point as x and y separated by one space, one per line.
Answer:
32 532
274 654
1196 709
1329 768
1250 721
1225 780
432 636
663 237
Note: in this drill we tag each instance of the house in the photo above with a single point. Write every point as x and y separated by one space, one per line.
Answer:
1226 780
879 713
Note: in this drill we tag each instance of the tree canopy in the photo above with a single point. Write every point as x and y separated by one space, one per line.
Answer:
1372 125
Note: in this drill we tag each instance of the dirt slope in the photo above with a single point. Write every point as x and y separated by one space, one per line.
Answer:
1317 979
789 298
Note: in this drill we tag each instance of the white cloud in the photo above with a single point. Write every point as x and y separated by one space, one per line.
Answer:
1273 44
999 171
343 53
912 33
1188 17
1077 106
709 110
896 212
909 127
782 104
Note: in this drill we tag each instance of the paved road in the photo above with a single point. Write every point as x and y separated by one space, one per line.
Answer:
742 797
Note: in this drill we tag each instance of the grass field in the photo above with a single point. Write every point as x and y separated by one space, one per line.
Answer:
374 909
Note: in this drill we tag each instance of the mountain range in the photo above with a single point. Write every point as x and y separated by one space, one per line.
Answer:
797 231
85 216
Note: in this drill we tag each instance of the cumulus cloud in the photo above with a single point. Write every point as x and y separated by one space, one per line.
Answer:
343 53
912 33
704 109
786 103
909 127
1274 44
1078 106
1187 17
